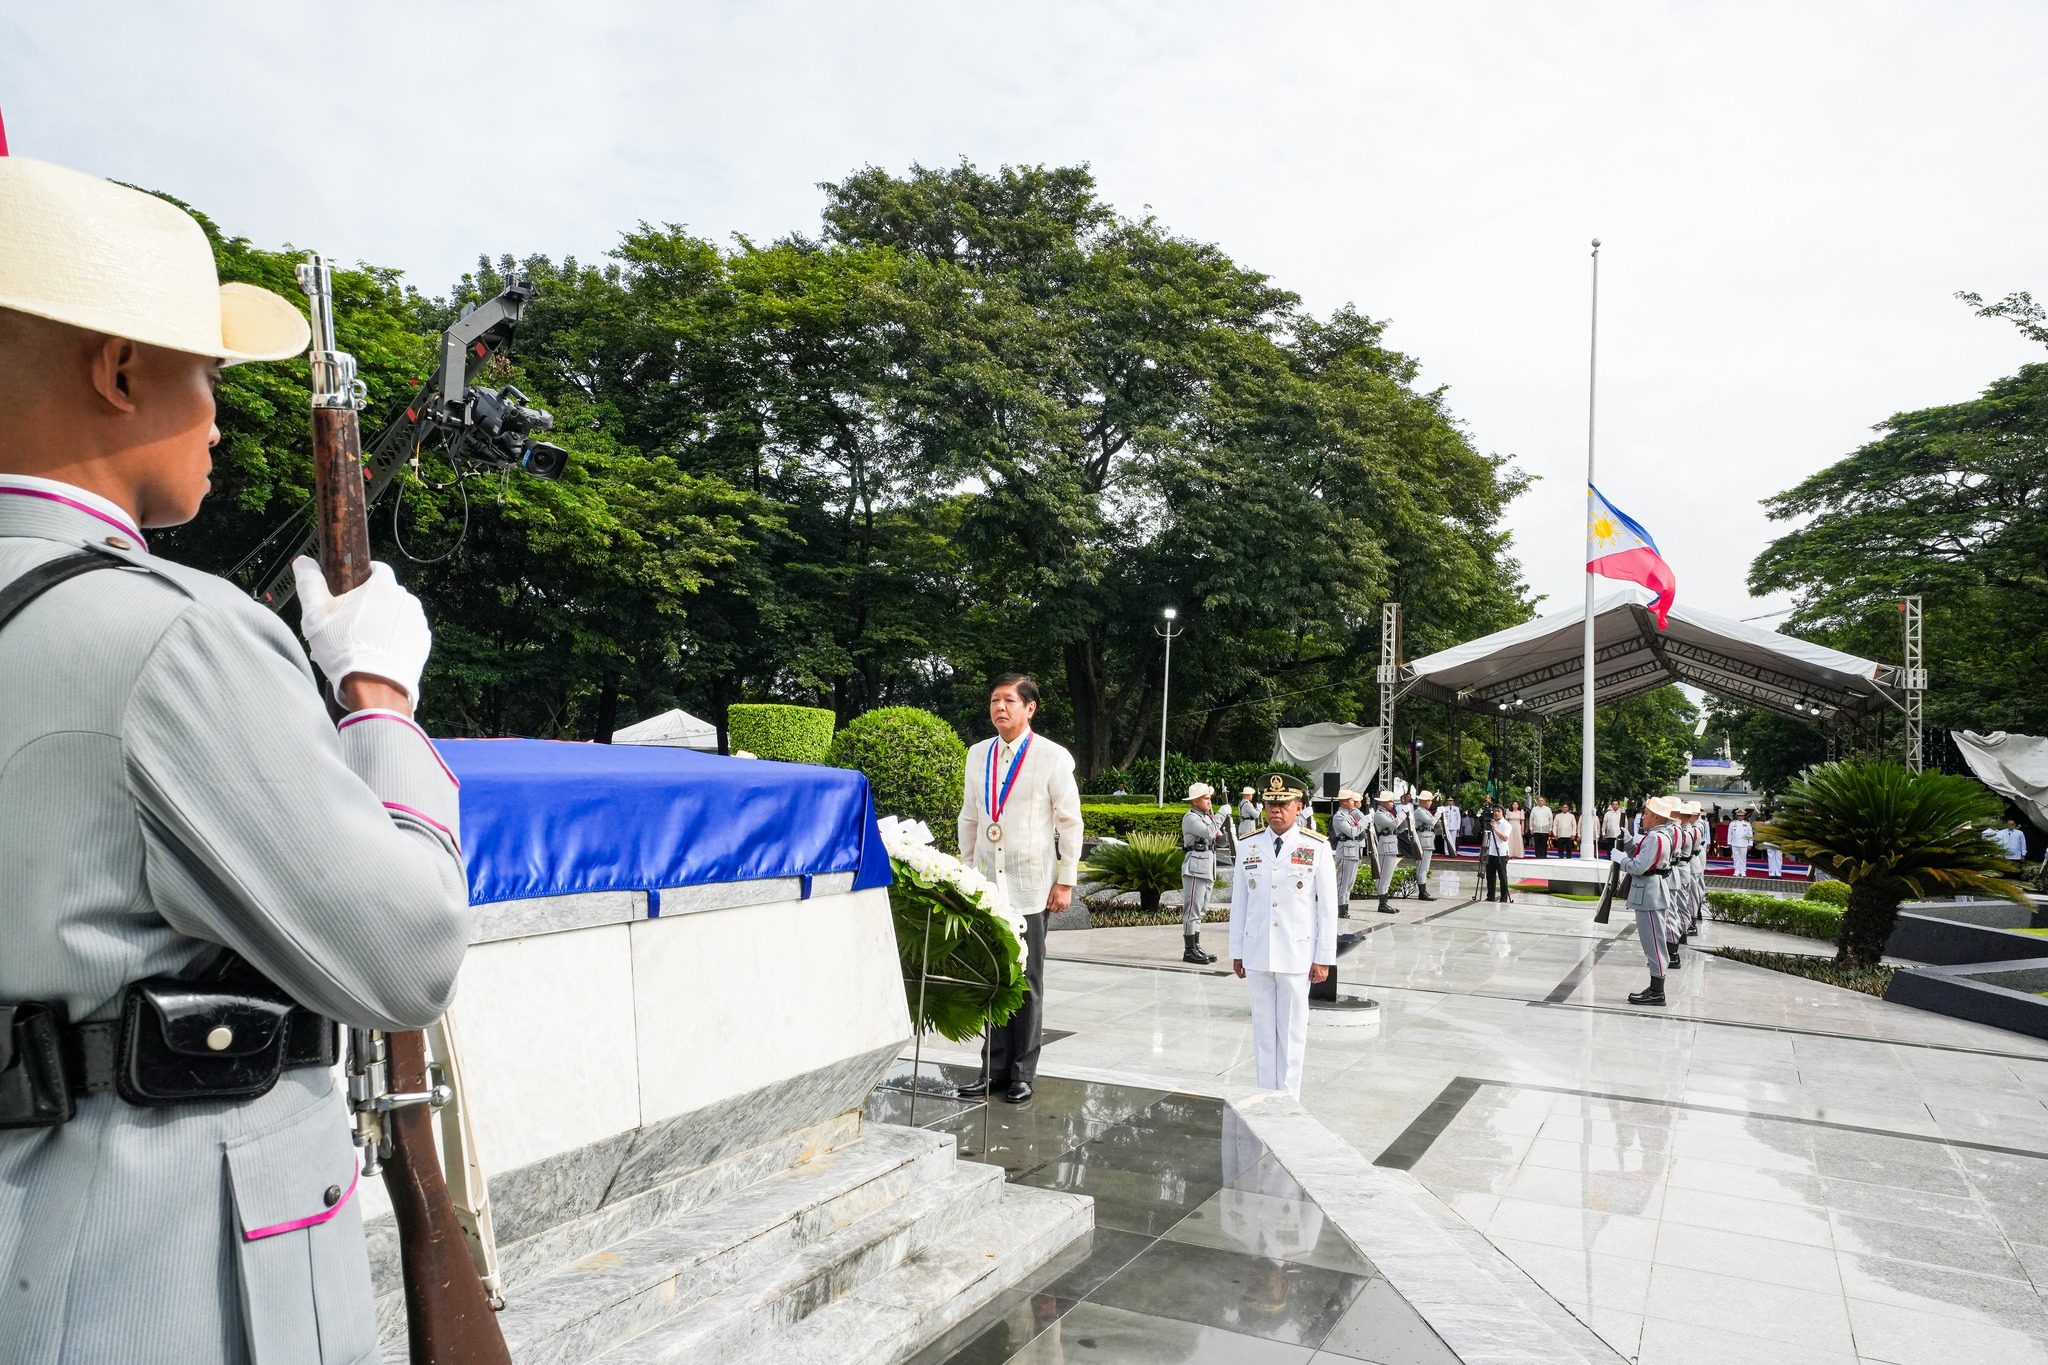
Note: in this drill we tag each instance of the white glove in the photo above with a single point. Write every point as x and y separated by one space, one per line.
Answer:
377 628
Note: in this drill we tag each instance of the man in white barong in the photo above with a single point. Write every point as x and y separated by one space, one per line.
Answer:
1020 819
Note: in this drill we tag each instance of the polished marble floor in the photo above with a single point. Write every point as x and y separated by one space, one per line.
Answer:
1205 1250
1769 1170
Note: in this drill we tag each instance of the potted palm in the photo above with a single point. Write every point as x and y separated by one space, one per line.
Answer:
1889 834
1147 864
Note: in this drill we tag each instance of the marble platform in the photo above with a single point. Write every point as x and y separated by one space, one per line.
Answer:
666 1091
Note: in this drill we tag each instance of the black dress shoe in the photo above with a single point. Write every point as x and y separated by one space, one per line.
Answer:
1018 1092
1653 995
974 1089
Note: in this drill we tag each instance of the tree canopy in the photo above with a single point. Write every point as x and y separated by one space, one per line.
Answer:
976 421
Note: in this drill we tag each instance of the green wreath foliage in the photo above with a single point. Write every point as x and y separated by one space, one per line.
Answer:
973 966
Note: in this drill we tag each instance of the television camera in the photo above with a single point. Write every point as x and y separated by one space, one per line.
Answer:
476 429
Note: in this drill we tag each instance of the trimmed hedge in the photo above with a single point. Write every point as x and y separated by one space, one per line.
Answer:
793 734
1142 777
1807 919
1121 821
1828 893
913 761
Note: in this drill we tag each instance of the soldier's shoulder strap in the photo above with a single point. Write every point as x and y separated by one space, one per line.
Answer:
47 575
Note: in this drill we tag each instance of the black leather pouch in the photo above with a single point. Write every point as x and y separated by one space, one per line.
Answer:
188 1041
34 1090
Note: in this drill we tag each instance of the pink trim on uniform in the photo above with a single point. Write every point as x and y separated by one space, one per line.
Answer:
411 725
77 506
256 1234
428 819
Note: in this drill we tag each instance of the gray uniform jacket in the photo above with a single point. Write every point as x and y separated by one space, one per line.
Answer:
1387 826
1425 819
1347 832
1646 890
171 785
1247 818
1200 833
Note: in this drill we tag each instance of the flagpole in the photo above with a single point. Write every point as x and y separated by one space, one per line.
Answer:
1588 813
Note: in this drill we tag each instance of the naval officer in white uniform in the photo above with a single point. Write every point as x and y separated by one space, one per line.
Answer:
1283 930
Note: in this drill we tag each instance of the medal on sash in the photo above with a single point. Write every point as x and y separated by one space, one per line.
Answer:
998 799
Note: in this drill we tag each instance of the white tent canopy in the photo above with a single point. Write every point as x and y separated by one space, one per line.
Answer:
1538 668
2014 766
1350 751
671 730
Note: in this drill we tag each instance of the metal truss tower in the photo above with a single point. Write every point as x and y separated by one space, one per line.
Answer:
1390 682
1913 680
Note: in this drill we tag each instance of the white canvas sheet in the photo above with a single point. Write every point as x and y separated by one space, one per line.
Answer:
1350 751
2014 766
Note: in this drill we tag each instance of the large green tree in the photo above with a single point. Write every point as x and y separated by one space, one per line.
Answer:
979 421
1950 503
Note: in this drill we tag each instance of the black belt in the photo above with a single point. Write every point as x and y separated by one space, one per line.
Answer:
176 1042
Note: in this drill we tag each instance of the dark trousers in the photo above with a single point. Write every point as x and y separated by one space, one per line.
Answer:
1539 845
1497 872
1012 1050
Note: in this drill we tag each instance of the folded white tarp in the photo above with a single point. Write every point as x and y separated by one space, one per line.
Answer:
671 730
2014 766
1350 751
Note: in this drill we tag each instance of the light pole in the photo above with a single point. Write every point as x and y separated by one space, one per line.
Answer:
1165 681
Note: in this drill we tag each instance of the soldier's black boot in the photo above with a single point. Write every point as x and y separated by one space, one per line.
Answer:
1344 910
1386 909
1422 891
1193 952
1653 995
1671 957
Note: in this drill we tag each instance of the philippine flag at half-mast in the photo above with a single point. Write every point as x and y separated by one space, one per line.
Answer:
1618 547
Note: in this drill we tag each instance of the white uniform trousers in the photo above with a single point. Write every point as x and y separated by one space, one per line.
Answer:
1279 1028
1774 861
1739 853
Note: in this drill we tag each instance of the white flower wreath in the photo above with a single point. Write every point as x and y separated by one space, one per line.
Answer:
909 842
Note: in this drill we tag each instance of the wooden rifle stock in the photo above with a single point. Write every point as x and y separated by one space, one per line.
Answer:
449 1320
1615 882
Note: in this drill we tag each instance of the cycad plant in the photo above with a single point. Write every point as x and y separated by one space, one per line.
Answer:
1888 834
1148 864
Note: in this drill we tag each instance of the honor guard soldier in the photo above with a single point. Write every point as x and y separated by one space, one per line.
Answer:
1247 813
1201 834
1386 836
1283 930
1424 818
200 869
1648 864
1348 828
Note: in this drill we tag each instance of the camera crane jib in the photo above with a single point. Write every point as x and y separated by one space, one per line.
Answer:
479 428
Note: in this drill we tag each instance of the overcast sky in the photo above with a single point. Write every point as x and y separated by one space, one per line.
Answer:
1789 194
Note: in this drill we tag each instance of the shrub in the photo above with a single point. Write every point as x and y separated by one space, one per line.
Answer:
1870 980
794 734
1148 865
1890 833
1807 919
1828 893
913 761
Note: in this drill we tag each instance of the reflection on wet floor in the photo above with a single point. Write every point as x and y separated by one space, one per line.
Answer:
1205 1250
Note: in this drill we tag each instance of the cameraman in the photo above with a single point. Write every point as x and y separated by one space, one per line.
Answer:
1497 835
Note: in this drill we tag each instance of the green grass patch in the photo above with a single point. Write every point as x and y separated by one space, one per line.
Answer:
1117 917
1868 980
2038 933
1807 919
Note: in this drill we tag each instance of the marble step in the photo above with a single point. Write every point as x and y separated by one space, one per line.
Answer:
893 1317
591 1304
734 1326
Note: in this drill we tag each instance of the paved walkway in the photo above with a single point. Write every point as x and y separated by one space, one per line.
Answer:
1768 1170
